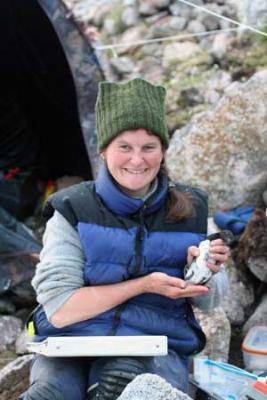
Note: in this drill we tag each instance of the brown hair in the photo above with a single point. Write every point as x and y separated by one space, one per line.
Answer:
180 204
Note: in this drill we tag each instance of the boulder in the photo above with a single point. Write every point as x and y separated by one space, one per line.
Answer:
178 52
150 386
195 26
6 306
224 150
10 328
150 7
129 16
166 26
211 22
220 46
122 65
14 378
217 329
241 296
253 12
259 317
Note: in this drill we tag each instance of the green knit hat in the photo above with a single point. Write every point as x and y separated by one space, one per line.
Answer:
131 105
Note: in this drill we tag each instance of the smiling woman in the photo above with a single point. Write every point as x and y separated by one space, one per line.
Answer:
114 256
134 159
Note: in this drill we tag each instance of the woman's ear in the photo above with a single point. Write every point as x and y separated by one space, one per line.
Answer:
102 155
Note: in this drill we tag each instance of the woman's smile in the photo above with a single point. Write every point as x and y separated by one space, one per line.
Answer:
133 158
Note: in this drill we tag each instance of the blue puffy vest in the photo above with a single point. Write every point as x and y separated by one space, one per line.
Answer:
124 238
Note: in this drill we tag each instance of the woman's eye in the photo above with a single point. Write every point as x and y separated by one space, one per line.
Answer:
149 148
124 147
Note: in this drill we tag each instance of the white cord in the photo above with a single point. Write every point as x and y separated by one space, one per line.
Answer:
163 39
206 10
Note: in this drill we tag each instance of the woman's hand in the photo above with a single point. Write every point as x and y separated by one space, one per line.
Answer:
218 254
169 286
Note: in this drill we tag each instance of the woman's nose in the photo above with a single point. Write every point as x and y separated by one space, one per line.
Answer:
137 158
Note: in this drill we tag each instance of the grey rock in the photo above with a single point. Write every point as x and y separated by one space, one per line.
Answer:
110 26
210 21
181 10
258 266
21 343
150 68
180 51
130 3
216 85
150 386
130 16
195 26
97 14
10 328
147 9
191 96
224 150
151 20
6 307
217 329
259 317
220 45
14 378
253 12
167 26
241 296
131 35
178 23
122 65
150 7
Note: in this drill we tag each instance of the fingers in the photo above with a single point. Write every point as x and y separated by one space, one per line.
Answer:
193 251
172 287
176 282
218 254
194 290
178 288
189 291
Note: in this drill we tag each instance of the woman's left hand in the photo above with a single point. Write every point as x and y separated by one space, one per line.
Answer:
218 254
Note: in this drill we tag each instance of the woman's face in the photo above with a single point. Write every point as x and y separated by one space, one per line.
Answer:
133 159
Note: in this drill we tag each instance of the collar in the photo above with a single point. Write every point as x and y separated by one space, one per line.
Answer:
121 203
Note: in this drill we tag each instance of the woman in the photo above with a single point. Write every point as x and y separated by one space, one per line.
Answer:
114 254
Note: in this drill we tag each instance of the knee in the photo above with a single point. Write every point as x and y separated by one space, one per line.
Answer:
114 376
43 391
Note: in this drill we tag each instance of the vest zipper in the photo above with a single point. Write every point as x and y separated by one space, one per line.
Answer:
138 261
138 242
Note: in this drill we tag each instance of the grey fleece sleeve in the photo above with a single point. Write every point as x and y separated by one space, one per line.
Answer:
60 271
219 288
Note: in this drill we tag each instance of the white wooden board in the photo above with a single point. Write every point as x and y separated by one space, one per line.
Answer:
101 346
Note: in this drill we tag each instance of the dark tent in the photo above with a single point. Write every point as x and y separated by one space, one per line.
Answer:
48 86
48 78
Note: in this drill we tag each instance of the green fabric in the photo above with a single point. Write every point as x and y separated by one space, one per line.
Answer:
130 105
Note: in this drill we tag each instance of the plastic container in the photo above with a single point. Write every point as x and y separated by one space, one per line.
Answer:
224 380
255 349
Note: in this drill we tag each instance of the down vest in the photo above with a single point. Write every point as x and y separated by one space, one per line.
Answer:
124 238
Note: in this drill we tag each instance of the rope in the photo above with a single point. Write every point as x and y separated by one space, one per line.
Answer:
163 39
206 10
186 36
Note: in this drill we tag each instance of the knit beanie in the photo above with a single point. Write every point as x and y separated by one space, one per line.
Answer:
135 104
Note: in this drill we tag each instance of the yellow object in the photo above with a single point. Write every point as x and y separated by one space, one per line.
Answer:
30 329
50 188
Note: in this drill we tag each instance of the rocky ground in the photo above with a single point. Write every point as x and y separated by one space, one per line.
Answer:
216 113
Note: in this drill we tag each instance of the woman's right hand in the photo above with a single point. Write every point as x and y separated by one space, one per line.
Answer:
174 288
